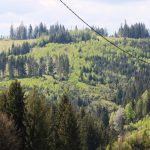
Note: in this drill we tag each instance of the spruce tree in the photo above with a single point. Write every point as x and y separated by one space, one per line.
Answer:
3 62
11 64
16 109
54 140
37 121
92 133
12 34
30 32
3 102
68 128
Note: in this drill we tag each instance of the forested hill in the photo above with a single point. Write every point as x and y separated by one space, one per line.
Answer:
102 84
93 68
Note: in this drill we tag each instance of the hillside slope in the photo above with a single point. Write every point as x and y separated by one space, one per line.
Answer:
92 70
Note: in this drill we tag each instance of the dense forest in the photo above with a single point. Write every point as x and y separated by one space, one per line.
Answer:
137 30
59 34
64 89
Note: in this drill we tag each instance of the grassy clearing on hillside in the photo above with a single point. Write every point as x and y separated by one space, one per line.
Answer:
31 82
6 44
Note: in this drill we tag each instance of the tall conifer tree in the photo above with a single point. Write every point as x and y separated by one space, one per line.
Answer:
16 109
68 128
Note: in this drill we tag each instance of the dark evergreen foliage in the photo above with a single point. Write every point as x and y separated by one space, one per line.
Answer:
16 109
20 50
56 33
68 129
137 30
102 31
37 125
9 139
55 127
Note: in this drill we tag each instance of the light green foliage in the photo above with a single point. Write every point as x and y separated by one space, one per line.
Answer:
139 136
143 104
139 108
121 146
129 113
6 44
111 119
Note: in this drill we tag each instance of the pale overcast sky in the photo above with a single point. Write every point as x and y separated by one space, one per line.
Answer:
103 13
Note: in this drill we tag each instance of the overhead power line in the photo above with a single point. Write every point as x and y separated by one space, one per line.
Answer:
106 39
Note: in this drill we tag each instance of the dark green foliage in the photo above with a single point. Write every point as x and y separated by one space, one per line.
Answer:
42 126
37 121
16 109
36 32
11 66
19 33
62 67
42 29
22 33
3 62
32 67
12 32
104 116
30 32
43 42
9 139
81 35
58 34
137 30
42 66
20 50
102 31
50 65
56 128
68 129
3 102
92 132
54 138
20 66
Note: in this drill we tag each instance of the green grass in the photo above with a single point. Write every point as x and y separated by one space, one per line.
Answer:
47 82
6 44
